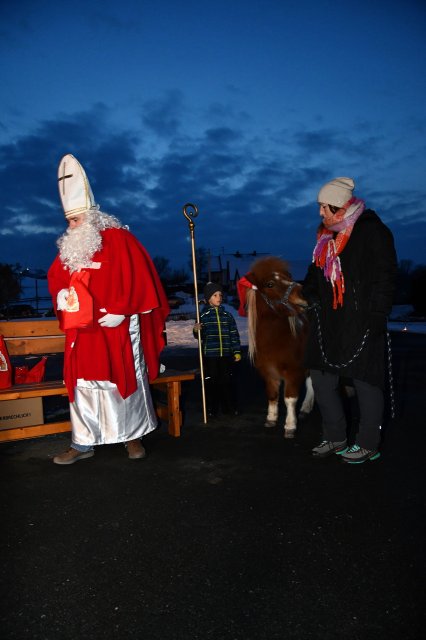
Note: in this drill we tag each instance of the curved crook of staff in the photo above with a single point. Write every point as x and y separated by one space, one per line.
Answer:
190 211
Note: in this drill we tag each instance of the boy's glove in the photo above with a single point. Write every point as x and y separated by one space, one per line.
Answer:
237 357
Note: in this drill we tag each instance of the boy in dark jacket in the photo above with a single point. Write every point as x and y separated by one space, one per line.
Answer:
221 348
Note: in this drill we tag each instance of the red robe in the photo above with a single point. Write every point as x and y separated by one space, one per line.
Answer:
126 283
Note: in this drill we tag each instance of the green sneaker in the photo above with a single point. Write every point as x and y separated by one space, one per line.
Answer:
326 448
356 455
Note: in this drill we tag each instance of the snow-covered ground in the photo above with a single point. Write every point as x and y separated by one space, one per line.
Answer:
179 332
401 320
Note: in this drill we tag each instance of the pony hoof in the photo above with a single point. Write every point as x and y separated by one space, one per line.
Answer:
289 433
270 423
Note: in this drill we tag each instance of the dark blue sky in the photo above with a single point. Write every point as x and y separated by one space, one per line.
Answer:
244 107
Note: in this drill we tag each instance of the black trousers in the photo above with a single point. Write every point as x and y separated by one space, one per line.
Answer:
219 383
329 399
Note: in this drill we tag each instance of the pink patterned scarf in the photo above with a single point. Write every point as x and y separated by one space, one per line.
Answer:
328 248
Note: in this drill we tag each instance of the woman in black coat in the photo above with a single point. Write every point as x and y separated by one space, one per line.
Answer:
351 284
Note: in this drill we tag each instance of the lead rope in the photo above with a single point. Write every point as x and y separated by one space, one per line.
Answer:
356 355
321 345
390 374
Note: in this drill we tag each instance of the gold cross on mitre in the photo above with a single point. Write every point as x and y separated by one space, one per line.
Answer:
64 177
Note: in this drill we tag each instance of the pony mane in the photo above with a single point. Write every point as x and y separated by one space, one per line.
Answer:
252 322
294 326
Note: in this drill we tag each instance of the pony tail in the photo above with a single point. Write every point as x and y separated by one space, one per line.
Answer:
252 321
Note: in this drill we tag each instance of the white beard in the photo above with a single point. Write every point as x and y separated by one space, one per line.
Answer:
78 246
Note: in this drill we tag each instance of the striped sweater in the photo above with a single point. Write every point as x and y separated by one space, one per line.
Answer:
219 333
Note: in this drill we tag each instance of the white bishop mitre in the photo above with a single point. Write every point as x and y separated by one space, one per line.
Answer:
74 188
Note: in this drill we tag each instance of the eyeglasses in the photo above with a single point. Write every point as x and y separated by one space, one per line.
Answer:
331 207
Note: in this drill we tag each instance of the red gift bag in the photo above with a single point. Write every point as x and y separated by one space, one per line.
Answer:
5 367
24 375
20 374
79 307
36 374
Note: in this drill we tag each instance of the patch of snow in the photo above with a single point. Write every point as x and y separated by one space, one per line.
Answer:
179 332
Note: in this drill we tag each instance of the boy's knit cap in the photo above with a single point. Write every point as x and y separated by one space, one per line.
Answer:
210 289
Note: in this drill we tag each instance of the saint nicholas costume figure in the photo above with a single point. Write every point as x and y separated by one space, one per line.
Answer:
112 307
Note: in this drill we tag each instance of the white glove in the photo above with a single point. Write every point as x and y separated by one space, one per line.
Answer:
111 320
61 299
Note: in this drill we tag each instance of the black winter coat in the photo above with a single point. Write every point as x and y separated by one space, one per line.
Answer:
369 268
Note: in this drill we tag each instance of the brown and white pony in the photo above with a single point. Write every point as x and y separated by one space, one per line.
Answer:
277 328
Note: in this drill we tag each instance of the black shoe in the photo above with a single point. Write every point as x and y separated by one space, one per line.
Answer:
327 448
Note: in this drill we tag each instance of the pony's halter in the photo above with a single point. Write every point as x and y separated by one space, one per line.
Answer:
284 300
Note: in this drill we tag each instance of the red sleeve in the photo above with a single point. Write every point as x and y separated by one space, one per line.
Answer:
153 327
132 287
139 289
57 278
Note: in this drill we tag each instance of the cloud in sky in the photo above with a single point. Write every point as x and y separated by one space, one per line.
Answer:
250 195
247 127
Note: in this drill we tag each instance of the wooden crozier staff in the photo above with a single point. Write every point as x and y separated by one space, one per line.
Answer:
190 211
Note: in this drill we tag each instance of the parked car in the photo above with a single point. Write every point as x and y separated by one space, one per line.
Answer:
50 313
15 311
175 302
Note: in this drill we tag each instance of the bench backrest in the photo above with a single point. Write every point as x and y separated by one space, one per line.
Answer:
32 337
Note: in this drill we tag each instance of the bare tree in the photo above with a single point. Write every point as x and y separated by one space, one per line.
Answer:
162 265
10 284
201 260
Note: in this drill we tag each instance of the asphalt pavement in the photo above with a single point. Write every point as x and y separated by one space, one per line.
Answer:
230 532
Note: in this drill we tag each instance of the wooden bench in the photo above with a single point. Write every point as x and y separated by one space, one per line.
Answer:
37 337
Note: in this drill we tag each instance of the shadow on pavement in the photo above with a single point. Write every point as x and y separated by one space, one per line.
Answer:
228 532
